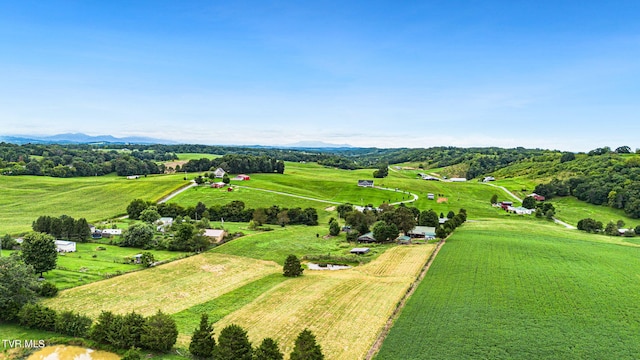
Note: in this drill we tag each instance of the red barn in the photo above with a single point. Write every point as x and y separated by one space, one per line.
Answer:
243 177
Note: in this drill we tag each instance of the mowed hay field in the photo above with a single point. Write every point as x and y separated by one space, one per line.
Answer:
507 289
345 309
171 288
24 198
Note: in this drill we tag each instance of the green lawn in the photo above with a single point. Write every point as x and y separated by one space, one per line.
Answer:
572 210
24 198
299 240
80 268
523 290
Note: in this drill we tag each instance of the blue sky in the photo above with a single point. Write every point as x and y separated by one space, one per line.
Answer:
549 74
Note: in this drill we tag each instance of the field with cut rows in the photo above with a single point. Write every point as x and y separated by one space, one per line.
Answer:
171 287
345 309
523 290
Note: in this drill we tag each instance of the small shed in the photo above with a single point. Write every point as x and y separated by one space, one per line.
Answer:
110 232
214 234
488 178
218 185
242 177
367 238
404 240
537 197
458 179
137 259
365 183
431 196
65 246
360 251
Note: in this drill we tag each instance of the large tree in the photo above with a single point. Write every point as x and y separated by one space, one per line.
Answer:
39 251
18 286
233 344
384 232
202 341
135 208
428 218
292 267
137 235
160 332
529 202
306 347
404 219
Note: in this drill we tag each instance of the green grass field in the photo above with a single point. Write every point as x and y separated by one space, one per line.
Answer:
24 198
522 290
572 210
196 156
80 267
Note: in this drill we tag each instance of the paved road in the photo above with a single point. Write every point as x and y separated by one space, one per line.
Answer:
505 190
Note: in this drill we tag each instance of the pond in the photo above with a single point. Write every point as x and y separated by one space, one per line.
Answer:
64 352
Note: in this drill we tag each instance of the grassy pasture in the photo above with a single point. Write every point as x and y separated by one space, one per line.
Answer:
24 198
523 290
572 210
345 309
196 156
171 288
299 240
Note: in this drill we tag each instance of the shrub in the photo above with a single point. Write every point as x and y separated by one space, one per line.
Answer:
131 354
72 324
47 289
36 316
233 344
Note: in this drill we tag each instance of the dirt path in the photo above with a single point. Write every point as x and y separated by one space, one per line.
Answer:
568 226
396 313
175 193
415 197
505 190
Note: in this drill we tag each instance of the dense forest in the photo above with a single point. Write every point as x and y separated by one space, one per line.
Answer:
78 160
609 178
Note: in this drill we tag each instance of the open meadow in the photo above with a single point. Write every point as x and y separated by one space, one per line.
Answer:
506 289
24 198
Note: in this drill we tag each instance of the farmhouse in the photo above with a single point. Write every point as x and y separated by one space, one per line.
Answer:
519 210
506 204
219 173
365 183
163 223
367 238
65 246
109 232
214 234
537 197
422 232
442 220
359 251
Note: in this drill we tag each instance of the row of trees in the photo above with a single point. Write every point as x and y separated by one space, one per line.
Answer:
233 211
63 227
233 344
612 229
237 164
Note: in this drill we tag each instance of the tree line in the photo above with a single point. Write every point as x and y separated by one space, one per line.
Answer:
63 227
237 164
233 344
77 160
234 211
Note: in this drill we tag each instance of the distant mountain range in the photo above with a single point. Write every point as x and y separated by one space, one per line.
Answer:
79 138
315 145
